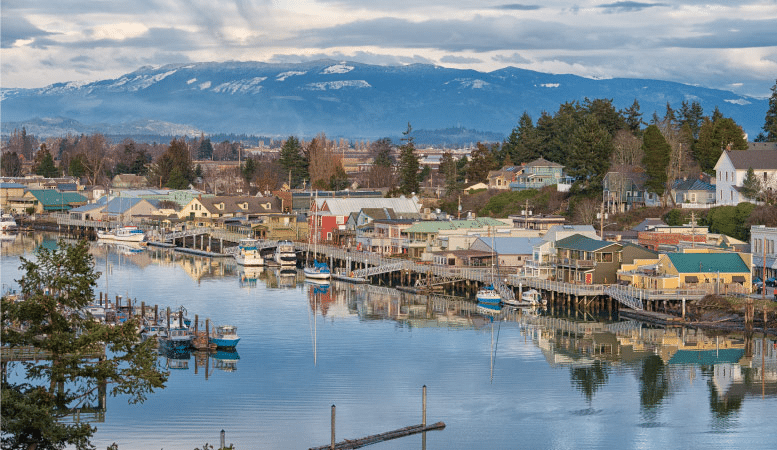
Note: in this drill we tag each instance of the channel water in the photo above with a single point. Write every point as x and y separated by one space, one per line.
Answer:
498 380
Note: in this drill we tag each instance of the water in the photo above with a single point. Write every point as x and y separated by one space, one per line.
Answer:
515 382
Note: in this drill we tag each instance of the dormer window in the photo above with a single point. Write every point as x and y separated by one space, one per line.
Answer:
244 205
220 206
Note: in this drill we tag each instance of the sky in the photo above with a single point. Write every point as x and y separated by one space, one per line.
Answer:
722 44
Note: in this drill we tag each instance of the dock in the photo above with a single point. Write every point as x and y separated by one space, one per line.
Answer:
375 438
652 317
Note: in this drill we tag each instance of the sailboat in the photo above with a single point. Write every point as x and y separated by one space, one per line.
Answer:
488 294
317 270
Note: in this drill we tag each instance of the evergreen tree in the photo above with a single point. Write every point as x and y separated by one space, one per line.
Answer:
716 136
55 289
11 164
691 115
44 163
670 120
751 185
408 164
770 121
523 143
606 114
589 158
448 171
633 117
482 162
382 151
656 159
249 170
293 162
205 150
174 167
339 180
76 167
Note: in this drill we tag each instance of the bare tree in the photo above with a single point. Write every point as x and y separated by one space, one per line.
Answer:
586 210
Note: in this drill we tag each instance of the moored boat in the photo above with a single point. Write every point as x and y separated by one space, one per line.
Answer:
285 255
123 234
178 338
318 271
8 223
248 253
224 336
489 295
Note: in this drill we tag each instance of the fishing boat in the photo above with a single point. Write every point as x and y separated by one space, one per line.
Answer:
7 223
177 338
248 253
224 336
285 255
122 234
152 331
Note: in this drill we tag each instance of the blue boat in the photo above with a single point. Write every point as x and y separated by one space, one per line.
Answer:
224 336
488 295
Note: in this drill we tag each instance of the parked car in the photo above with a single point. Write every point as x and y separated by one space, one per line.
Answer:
771 282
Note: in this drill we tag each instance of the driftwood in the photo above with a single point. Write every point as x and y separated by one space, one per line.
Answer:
375 438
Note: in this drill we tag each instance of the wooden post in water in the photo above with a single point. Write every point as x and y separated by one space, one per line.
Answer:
333 427
156 314
142 311
168 322
207 328
196 322
423 417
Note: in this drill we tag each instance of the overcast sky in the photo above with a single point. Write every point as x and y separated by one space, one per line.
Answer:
726 44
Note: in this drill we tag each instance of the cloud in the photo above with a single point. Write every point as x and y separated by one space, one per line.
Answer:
16 29
362 57
729 33
453 59
517 7
514 58
628 6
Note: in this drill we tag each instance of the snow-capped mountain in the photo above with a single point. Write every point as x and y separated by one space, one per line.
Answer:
340 98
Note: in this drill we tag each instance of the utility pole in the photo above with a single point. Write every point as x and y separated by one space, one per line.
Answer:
693 229
526 213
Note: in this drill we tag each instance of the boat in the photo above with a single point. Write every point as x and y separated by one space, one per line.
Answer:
488 294
151 331
224 336
285 254
317 270
530 297
248 253
7 223
122 234
177 338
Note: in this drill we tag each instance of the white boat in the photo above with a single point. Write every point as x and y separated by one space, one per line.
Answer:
285 255
489 295
123 234
7 223
248 253
317 270
530 297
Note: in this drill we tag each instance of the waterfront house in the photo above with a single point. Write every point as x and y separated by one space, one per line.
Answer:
763 242
510 252
46 201
383 236
542 264
333 213
9 191
117 209
206 211
432 236
731 171
698 269
581 259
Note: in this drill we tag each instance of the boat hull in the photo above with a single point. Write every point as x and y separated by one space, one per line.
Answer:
316 274
489 297
249 261
134 237
224 343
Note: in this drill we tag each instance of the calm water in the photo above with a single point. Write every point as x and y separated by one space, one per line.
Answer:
519 381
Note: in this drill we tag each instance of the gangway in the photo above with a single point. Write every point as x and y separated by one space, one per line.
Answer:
624 298
377 270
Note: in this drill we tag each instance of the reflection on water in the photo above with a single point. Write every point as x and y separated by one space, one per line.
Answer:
542 381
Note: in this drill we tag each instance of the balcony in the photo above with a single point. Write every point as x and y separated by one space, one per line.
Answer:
577 263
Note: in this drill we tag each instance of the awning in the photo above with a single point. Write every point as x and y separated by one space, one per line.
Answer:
738 279
691 279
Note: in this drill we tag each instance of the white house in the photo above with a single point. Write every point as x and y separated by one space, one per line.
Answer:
731 170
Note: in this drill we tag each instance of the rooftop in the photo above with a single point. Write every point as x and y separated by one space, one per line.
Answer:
708 262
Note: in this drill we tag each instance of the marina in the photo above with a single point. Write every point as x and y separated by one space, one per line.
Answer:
571 380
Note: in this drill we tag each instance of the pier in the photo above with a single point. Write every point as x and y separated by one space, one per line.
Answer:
359 266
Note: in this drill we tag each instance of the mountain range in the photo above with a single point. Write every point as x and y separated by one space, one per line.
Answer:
339 98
